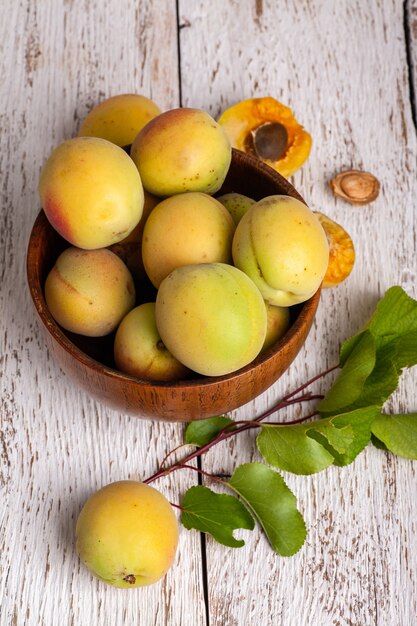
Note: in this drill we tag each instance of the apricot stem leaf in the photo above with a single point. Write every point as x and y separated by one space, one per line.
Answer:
201 432
398 433
215 513
273 504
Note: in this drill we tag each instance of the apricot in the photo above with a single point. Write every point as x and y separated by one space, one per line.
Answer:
184 229
211 317
282 246
127 534
139 350
341 251
91 192
129 249
278 321
182 150
236 203
268 130
89 291
120 118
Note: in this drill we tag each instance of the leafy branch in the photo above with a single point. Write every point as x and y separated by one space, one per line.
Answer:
349 416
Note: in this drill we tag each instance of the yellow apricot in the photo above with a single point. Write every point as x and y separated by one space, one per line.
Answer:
139 350
281 245
278 321
236 203
129 249
127 534
91 192
182 150
211 317
119 119
89 291
184 229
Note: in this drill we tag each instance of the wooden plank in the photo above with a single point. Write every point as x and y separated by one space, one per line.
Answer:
342 68
410 23
57 446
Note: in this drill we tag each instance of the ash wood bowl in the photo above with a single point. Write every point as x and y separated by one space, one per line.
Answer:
89 361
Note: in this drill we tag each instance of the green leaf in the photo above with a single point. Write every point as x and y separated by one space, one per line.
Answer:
337 438
201 432
378 444
274 505
348 386
359 422
290 449
395 314
398 433
395 317
382 382
407 350
393 329
384 378
310 448
216 514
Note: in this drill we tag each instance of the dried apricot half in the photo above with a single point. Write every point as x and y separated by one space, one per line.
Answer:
267 129
341 252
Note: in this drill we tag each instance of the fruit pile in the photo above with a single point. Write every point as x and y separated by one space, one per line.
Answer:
134 196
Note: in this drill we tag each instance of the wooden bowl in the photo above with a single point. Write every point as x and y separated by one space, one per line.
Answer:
89 361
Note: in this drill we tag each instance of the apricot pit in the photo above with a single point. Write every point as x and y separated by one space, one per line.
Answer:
268 130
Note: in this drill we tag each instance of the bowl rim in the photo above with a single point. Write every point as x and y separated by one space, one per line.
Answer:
36 289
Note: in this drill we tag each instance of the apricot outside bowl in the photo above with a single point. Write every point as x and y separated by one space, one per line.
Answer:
89 361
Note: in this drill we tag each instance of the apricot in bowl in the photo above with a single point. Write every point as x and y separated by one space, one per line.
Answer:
119 118
68 186
89 361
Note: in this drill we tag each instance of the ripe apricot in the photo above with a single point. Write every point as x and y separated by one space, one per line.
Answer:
281 245
183 229
91 192
267 129
119 119
89 291
139 350
278 321
211 317
127 534
236 203
129 249
182 150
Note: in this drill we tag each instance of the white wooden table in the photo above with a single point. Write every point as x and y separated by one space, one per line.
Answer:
348 69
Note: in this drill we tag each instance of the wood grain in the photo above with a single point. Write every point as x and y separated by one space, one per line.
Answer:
57 445
343 69
325 60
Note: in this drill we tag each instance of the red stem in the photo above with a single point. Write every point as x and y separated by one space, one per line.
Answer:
200 471
311 381
166 457
177 506
230 431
